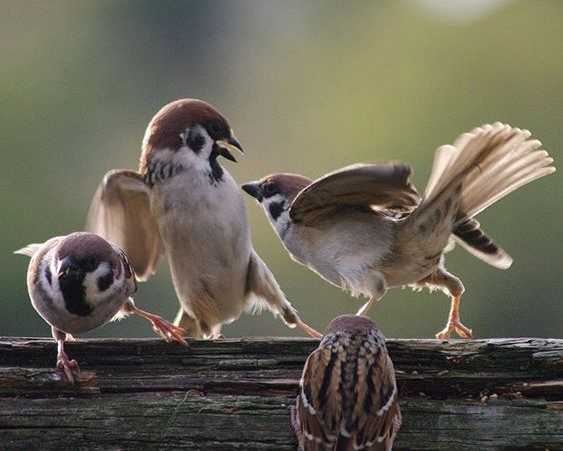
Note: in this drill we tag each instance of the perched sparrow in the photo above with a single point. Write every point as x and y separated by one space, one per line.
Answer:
348 393
364 227
182 202
79 282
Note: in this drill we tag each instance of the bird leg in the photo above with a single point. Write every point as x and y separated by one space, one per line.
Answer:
452 286
162 327
364 310
63 362
454 323
307 329
373 285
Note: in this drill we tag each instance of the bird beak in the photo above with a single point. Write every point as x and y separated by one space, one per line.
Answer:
253 188
66 266
225 146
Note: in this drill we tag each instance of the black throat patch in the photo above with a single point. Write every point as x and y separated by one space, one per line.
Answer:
73 292
216 174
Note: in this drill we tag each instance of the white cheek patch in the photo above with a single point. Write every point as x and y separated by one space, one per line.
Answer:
92 291
275 208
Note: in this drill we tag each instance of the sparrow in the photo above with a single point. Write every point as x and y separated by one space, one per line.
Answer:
365 228
183 203
80 282
348 395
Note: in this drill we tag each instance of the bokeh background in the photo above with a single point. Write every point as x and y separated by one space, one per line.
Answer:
308 87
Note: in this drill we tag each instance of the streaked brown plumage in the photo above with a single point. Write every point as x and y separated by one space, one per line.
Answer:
348 394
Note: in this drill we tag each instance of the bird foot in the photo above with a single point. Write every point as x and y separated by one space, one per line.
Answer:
167 330
454 325
63 363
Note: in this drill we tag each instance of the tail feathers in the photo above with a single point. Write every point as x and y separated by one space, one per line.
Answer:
481 167
469 234
514 168
263 291
469 152
29 250
443 158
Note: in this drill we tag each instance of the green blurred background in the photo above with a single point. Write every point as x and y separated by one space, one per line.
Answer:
308 87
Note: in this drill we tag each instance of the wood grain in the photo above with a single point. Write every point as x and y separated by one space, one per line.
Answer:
236 394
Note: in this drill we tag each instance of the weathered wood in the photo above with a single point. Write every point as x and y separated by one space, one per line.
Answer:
236 394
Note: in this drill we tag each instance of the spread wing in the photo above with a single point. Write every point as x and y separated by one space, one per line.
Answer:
375 419
381 187
120 213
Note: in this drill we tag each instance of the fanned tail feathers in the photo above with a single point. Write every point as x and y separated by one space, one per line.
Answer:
483 166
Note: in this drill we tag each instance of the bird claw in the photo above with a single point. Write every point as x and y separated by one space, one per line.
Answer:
63 363
454 325
168 331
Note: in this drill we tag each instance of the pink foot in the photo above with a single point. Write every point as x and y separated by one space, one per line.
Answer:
454 325
167 330
63 363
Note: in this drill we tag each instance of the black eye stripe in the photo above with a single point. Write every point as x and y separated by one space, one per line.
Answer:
270 189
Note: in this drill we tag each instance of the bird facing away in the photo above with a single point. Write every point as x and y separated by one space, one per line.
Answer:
80 282
182 202
348 394
365 228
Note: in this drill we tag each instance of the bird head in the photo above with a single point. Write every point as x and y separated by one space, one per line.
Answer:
89 270
187 134
275 193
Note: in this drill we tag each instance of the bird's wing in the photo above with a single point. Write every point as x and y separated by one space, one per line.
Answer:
376 417
319 413
377 429
120 213
381 187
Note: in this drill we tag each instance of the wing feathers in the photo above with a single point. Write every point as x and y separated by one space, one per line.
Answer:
120 213
377 186
348 397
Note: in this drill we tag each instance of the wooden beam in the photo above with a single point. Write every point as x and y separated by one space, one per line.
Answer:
236 394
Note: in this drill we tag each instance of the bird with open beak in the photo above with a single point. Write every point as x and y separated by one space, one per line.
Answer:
183 203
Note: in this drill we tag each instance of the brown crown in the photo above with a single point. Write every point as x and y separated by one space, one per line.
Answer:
82 245
350 323
288 184
163 131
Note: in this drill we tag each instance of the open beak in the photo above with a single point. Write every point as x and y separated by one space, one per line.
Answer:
253 188
66 266
226 145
